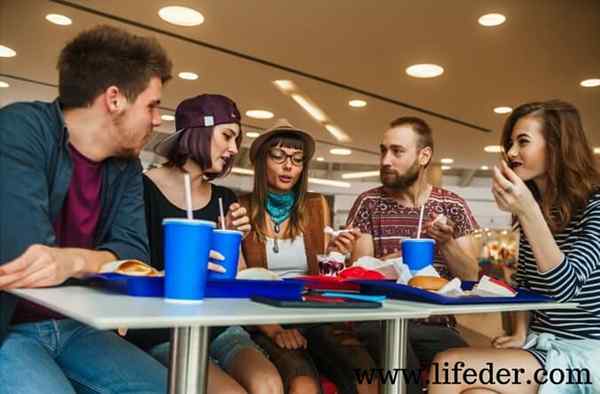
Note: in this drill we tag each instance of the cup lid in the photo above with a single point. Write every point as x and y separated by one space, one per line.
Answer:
226 231
419 240
196 222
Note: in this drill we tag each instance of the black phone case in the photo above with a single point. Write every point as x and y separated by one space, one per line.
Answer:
316 304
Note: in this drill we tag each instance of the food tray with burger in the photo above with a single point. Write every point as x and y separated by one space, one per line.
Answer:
439 291
138 279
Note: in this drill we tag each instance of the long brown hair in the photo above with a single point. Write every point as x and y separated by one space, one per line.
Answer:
571 175
195 143
261 188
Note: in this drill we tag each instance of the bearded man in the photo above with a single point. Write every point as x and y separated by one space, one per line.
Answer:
388 214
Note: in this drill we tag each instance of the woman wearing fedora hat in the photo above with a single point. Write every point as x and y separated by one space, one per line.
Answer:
207 139
286 236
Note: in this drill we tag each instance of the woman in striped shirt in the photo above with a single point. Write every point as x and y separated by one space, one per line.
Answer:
550 184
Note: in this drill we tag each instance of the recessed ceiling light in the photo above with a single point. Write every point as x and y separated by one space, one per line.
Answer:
445 168
4 84
340 151
181 16
338 133
320 158
285 85
597 150
357 103
190 76
168 118
7 52
309 107
252 134
489 20
590 83
58 19
485 168
259 114
502 110
493 149
425 70
447 161
358 175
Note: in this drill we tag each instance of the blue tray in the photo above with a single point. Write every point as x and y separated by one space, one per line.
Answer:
148 286
409 293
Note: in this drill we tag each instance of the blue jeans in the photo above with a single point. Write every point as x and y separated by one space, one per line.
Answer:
65 357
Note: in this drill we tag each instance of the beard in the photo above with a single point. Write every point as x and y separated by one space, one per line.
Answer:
394 181
129 147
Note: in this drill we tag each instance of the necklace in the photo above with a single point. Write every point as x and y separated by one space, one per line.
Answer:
276 228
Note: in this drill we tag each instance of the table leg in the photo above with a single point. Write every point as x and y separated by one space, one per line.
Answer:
188 370
394 354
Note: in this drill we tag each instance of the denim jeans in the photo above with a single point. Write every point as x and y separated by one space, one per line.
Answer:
65 356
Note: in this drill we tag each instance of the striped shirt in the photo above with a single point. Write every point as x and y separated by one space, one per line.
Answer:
377 213
575 279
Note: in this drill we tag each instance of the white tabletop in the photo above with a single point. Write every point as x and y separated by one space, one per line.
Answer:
437 309
106 310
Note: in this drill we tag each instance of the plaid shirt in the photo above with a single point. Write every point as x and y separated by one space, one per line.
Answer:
377 213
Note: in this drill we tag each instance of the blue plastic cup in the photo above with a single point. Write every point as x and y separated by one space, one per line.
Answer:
418 253
187 245
226 242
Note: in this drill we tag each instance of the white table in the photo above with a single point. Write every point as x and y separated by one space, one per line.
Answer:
190 322
437 309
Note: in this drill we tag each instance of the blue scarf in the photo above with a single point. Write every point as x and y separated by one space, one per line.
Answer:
279 206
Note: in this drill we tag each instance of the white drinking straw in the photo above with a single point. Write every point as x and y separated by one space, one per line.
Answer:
221 212
420 221
188 195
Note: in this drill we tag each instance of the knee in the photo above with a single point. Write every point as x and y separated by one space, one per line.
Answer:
450 357
445 361
266 382
304 385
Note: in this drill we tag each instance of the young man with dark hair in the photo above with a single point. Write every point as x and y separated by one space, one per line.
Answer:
70 201
388 214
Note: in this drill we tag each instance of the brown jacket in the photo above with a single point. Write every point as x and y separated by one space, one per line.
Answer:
317 211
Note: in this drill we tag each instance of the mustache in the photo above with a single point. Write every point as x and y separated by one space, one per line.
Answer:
387 170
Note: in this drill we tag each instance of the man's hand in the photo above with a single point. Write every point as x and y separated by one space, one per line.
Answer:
40 266
442 233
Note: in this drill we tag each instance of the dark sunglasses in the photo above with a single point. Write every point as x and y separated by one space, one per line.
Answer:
279 156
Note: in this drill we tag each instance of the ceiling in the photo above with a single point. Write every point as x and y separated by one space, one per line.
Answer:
339 50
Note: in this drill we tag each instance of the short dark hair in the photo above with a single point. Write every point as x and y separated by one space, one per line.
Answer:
194 143
420 127
105 56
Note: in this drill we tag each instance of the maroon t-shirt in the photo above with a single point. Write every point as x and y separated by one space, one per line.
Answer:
75 226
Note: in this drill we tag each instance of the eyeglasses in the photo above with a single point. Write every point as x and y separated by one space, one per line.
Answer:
279 156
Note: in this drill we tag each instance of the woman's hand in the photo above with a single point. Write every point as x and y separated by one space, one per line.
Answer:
345 241
289 339
509 341
510 192
237 219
